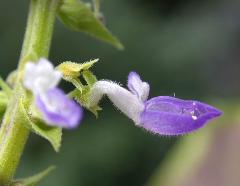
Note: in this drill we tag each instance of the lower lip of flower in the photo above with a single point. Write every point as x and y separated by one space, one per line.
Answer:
59 110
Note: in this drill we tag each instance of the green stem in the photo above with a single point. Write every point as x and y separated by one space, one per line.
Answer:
38 35
13 131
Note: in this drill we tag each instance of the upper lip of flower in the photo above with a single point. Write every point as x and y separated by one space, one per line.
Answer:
137 86
40 77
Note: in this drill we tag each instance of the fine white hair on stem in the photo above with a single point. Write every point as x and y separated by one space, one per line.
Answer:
123 99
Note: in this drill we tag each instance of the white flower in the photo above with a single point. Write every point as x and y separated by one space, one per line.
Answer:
41 76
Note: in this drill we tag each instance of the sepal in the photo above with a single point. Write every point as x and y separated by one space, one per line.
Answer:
89 77
72 71
82 97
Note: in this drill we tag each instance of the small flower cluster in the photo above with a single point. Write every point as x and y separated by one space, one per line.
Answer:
162 115
56 108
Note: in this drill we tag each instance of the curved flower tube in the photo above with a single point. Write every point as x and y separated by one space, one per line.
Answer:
124 100
162 115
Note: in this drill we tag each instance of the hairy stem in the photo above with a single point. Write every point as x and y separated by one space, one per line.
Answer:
13 131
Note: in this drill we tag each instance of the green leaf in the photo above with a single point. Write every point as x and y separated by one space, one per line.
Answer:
33 180
78 16
52 134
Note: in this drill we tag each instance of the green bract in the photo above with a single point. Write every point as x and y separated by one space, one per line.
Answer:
52 134
78 16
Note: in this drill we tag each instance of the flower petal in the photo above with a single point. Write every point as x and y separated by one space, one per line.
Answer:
41 76
172 116
59 110
137 86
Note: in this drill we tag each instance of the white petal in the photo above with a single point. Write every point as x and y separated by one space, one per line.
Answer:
45 64
137 86
124 100
41 76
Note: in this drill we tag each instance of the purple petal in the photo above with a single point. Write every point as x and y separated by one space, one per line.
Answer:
59 110
172 116
137 86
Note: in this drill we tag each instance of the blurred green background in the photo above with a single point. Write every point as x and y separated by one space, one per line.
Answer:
185 47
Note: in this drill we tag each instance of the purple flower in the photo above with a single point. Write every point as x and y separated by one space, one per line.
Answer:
169 115
58 110
162 115
55 107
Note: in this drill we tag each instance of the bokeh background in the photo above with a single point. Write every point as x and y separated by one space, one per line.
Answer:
189 48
